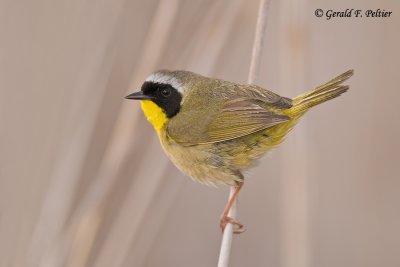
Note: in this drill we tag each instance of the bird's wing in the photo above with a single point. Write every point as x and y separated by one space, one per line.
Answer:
240 114
240 118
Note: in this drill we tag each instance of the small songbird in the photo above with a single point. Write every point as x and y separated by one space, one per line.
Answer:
213 130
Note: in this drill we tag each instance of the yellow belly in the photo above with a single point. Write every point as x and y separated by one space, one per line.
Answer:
215 163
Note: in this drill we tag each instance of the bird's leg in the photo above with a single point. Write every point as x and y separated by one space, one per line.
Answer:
225 219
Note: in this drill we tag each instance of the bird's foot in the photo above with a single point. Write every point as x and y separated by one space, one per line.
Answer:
225 220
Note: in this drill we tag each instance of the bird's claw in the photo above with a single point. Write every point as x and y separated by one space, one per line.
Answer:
225 220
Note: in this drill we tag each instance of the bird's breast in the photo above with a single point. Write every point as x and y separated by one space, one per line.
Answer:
154 114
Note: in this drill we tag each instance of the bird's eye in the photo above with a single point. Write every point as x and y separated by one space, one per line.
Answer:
166 92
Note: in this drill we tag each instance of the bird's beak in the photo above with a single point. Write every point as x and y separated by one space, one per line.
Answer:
138 96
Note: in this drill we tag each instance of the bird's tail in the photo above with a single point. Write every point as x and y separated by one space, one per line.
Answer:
329 90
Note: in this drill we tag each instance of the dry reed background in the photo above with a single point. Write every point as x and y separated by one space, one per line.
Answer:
83 180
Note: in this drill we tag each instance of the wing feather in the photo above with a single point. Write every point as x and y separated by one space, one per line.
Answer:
234 120
239 119
234 110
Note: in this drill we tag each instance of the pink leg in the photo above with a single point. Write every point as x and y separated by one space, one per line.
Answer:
225 219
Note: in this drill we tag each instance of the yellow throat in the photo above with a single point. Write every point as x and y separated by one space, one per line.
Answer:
154 114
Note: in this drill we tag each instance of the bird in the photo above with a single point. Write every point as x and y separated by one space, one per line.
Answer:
213 130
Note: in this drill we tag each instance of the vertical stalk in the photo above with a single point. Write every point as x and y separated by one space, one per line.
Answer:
254 71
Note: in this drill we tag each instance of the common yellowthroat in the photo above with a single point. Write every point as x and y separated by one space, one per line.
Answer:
213 130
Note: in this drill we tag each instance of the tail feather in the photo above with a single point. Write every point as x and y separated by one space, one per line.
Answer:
325 92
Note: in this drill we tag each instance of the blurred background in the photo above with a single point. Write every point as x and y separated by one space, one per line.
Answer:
84 181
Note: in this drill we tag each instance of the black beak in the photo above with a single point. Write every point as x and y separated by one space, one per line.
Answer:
138 96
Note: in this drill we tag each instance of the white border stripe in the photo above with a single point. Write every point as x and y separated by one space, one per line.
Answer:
159 77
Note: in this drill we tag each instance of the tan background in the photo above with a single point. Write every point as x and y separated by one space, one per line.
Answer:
84 181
